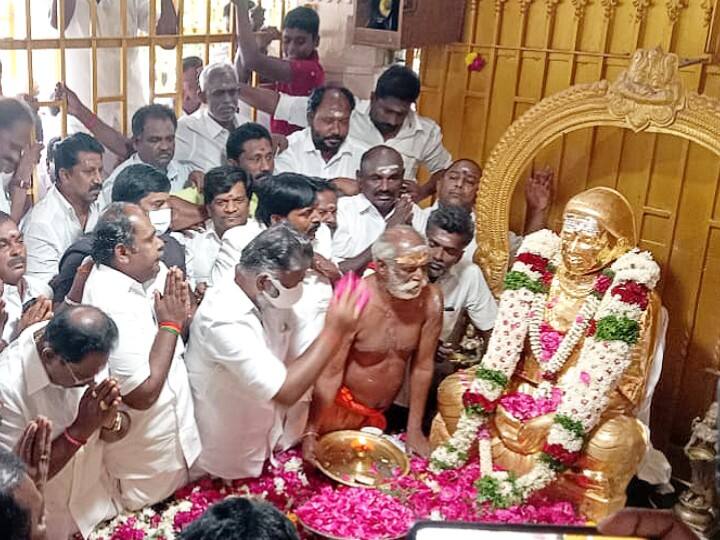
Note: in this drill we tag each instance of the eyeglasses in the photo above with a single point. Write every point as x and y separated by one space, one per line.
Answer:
78 382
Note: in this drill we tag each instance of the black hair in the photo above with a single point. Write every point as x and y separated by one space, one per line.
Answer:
67 150
4 216
155 110
73 334
14 518
14 110
279 248
318 94
219 180
281 194
398 82
249 131
303 18
112 229
322 184
454 220
191 62
136 181
52 144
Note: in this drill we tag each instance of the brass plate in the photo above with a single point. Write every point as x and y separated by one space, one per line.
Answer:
359 459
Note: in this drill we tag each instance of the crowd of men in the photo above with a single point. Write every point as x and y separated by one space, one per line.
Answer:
175 316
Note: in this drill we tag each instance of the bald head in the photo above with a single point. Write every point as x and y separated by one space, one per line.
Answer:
79 331
401 256
381 175
459 184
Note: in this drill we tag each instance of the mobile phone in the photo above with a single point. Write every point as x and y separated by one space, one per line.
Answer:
435 530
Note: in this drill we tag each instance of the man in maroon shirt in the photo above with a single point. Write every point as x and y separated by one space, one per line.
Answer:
299 73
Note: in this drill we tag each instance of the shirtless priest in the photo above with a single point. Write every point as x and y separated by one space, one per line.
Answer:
400 326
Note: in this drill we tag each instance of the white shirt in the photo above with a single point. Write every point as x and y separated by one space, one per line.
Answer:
78 61
14 301
235 360
50 228
5 202
201 251
176 172
200 140
233 242
419 139
464 288
163 438
302 157
360 224
78 497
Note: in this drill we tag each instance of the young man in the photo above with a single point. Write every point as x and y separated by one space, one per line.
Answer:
151 307
250 147
227 194
69 209
296 75
327 202
238 353
18 156
51 372
323 149
153 129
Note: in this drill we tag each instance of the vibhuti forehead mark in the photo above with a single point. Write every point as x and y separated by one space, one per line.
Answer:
416 256
388 169
584 224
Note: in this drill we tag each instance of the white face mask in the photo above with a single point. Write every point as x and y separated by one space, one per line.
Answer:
161 219
286 298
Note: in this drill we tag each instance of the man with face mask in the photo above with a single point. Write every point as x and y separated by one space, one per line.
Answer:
138 184
201 137
69 209
18 156
399 326
323 149
150 305
52 372
238 352
362 218
153 137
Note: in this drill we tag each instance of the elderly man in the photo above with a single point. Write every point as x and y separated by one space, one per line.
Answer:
238 351
16 288
362 218
323 149
399 327
153 138
51 372
69 209
150 305
18 156
201 137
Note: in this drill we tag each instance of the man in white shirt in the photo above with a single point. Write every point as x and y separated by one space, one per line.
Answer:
153 460
363 218
323 149
16 288
237 352
227 195
250 147
52 373
153 131
201 137
18 156
108 23
69 209
459 184
387 118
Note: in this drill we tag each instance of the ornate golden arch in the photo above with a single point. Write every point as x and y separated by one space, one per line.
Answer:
648 96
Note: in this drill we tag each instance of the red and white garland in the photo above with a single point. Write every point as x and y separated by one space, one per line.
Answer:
610 321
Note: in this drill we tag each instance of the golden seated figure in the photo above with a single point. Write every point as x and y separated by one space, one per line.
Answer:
598 228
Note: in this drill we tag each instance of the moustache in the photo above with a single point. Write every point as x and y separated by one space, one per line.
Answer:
16 261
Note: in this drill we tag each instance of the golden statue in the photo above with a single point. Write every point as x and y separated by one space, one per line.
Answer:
554 398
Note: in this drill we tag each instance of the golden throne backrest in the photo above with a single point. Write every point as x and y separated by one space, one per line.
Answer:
647 97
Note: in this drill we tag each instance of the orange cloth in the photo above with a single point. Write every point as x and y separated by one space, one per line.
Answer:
373 417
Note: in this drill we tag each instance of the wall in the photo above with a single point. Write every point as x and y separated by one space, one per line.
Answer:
535 48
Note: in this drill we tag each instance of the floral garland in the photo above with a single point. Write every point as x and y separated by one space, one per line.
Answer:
610 335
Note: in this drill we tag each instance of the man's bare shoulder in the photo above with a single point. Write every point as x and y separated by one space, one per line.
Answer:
433 301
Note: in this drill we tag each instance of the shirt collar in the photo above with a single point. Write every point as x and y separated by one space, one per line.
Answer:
55 193
172 168
210 127
309 146
411 123
120 282
36 378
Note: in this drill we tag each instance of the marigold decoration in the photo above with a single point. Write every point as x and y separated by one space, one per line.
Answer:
609 320
474 61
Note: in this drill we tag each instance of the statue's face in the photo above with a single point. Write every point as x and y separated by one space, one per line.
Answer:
406 276
586 246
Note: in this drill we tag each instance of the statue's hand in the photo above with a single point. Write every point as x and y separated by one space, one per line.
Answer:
526 436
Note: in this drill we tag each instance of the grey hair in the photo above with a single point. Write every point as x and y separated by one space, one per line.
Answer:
279 248
385 248
210 69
